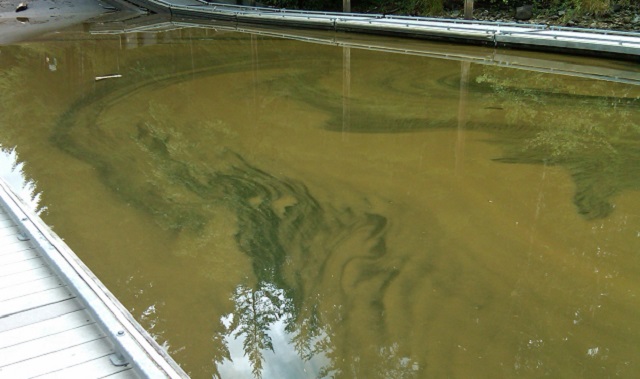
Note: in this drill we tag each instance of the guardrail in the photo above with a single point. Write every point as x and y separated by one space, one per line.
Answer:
607 43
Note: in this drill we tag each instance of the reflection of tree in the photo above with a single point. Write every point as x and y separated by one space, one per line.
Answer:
256 311
591 129
309 338
220 352
595 137
312 335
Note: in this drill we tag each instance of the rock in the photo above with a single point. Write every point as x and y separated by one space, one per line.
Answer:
22 7
524 12
561 13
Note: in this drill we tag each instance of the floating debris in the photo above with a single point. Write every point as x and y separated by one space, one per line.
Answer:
108 77
22 7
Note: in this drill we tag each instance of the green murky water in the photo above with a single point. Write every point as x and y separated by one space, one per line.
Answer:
285 209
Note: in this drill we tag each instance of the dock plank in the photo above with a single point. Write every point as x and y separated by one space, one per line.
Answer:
129 374
97 368
33 316
9 239
8 231
6 222
25 277
44 328
35 300
49 344
58 360
14 247
26 265
29 288
18 256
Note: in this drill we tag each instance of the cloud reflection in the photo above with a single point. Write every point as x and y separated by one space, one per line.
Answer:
12 172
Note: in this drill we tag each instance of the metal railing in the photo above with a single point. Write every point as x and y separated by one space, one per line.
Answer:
611 43
577 38
244 8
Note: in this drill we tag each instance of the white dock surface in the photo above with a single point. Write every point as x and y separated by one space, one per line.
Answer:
44 331
56 319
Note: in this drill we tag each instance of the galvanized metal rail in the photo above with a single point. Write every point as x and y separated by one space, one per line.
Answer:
606 43
56 318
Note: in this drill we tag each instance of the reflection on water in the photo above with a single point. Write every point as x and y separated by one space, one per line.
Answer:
279 209
12 172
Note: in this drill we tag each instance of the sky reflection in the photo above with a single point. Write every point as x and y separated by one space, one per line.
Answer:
12 172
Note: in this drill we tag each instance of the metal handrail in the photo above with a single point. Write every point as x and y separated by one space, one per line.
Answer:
285 10
490 31
431 26
243 9
417 22
574 37
600 31
307 16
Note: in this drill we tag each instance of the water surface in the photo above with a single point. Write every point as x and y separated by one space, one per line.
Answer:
283 209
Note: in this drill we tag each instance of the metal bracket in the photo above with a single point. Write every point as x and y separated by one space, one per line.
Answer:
118 360
22 236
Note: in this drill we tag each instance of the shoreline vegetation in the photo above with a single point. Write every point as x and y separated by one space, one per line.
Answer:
595 14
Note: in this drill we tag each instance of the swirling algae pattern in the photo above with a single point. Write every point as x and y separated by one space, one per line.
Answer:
379 285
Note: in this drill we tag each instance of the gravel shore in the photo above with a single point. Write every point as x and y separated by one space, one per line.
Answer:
45 8
42 16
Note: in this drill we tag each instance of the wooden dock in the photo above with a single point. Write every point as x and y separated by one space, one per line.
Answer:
56 319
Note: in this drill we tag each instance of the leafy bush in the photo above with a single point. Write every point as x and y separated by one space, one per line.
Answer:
425 6
325 5
592 6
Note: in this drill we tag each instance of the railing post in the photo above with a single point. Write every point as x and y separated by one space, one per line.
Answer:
346 6
468 9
